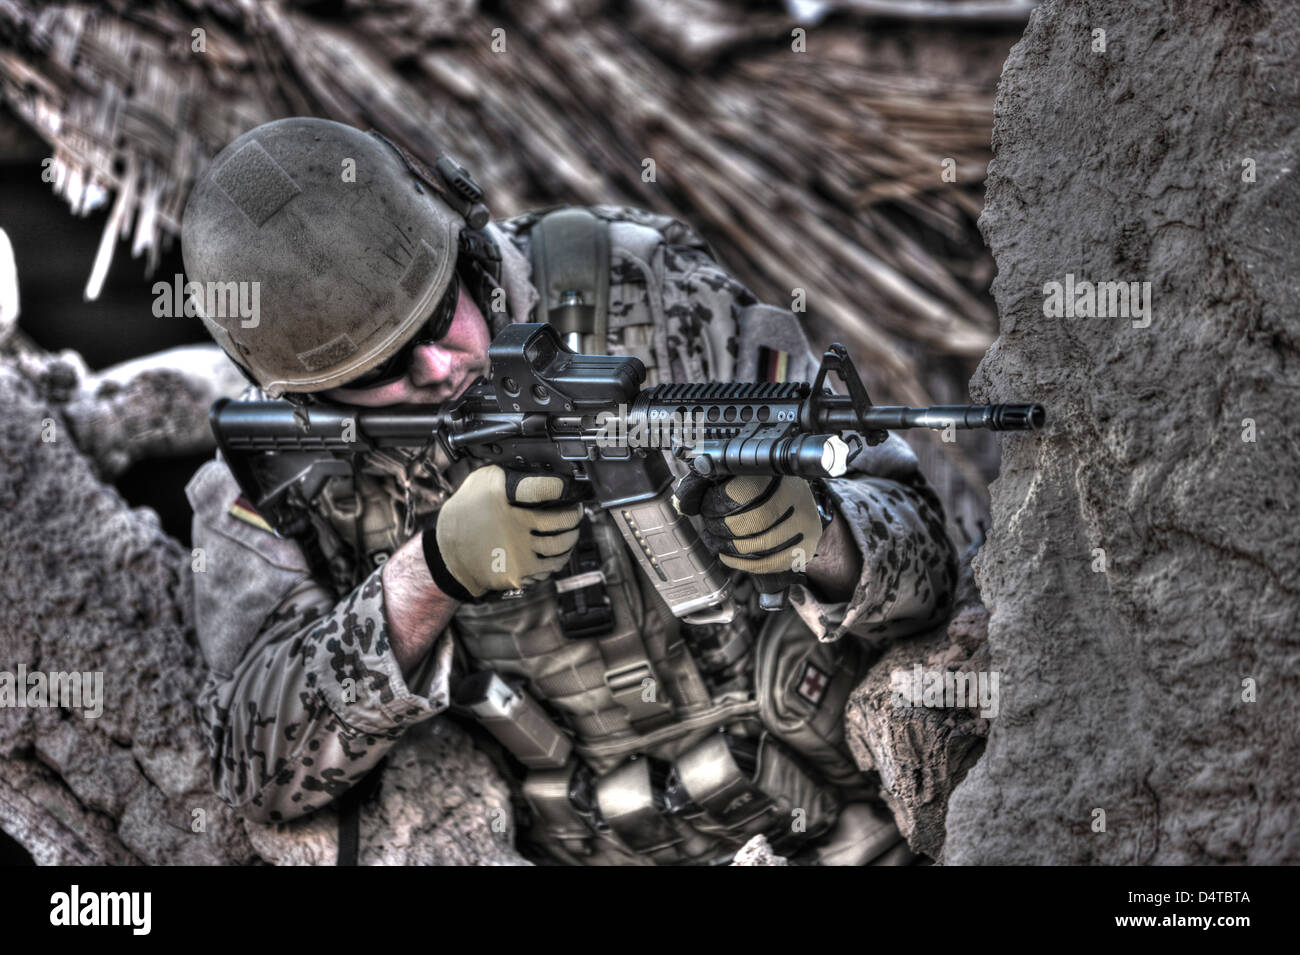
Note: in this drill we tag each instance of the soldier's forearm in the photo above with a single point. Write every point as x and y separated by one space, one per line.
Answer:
417 609
315 701
908 567
835 569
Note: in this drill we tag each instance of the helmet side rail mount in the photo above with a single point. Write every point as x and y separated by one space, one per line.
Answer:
453 182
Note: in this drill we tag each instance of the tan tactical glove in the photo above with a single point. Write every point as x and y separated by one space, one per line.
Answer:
762 525
496 533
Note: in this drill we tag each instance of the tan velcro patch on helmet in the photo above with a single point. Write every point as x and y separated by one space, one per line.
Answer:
331 353
417 275
256 183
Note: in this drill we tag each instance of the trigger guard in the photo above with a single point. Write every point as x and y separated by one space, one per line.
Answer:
568 495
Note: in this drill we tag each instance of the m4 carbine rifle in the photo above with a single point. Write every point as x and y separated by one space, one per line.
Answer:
544 409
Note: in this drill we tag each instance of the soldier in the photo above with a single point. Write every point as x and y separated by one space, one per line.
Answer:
424 587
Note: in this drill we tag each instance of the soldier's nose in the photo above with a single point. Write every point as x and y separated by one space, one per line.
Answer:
430 365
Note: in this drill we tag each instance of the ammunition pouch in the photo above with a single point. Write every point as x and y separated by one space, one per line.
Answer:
699 808
685 790
556 824
516 720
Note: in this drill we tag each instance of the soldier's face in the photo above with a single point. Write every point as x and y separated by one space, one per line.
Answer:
438 372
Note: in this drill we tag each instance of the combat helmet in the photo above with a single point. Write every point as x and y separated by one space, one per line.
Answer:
350 241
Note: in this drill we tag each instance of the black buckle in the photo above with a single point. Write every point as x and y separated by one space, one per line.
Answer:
585 608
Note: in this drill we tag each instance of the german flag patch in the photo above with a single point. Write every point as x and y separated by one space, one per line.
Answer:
245 512
773 364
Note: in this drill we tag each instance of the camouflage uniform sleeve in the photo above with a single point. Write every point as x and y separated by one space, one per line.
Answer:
304 695
715 328
909 566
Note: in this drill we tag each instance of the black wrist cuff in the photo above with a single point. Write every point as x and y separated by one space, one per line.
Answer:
826 508
448 584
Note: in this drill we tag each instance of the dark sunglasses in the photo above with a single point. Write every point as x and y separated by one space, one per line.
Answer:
434 328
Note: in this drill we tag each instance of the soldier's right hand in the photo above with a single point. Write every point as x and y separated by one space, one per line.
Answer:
500 532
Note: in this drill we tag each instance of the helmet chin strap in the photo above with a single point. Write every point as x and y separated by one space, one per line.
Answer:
301 401
248 375
479 264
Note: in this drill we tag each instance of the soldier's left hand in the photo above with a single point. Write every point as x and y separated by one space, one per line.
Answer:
762 525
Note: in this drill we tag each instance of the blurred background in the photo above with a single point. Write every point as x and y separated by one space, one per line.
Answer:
834 146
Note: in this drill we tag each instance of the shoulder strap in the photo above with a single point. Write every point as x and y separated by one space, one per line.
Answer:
349 812
571 261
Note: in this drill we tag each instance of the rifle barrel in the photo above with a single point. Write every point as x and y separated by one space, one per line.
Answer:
839 415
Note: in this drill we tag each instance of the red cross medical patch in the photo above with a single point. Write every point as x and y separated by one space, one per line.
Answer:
812 685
